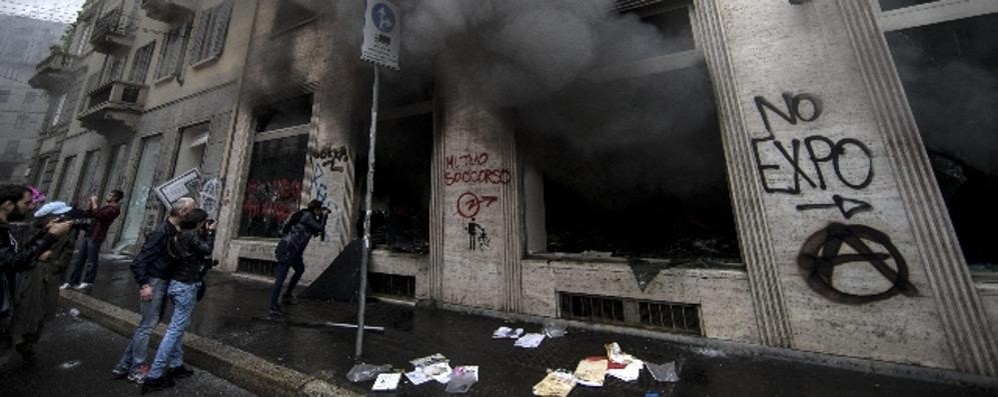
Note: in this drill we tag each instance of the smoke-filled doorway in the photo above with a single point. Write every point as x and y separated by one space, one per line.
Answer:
950 74
630 168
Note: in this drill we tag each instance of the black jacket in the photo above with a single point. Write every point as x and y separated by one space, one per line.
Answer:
190 255
17 256
308 226
152 260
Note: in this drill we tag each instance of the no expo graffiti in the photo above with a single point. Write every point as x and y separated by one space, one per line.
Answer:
807 160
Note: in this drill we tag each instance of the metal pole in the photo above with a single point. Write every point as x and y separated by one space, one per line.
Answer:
367 218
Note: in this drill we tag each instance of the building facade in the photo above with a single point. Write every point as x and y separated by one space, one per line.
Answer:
23 43
762 172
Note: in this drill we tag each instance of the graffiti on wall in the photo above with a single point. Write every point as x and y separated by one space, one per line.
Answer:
821 254
470 204
810 163
330 157
474 169
478 238
209 195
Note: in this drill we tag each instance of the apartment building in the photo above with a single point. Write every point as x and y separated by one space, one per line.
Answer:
23 43
762 172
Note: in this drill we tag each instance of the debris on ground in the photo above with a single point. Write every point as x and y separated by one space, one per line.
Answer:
529 341
365 372
440 372
592 371
556 384
507 333
74 313
555 329
429 360
630 373
664 372
463 379
417 377
616 355
387 382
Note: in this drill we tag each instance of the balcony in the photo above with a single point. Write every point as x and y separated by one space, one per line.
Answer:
168 11
113 106
111 33
52 74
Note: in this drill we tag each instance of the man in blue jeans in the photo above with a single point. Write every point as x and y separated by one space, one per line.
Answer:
151 270
90 246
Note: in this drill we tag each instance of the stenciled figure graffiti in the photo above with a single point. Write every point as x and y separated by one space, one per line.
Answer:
477 237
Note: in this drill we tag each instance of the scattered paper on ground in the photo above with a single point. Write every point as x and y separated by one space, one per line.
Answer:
591 371
555 384
616 355
417 377
529 341
471 370
462 379
507 333
429 360
387 382
629 373
440 372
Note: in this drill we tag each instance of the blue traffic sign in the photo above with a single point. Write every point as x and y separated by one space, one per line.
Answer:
383 17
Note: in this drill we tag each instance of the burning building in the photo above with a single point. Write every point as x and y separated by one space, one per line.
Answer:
740 170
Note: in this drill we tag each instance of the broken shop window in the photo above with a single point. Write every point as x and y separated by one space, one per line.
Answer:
950 75
274 184
633 168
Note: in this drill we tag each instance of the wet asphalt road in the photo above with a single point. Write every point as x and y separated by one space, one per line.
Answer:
75 358
234 312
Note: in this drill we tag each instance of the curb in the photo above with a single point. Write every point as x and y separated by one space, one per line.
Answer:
238 366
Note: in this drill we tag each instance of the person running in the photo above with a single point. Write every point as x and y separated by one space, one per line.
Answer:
296 232
89 252
190 256
151 270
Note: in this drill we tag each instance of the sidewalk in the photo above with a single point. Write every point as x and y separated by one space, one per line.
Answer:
234 312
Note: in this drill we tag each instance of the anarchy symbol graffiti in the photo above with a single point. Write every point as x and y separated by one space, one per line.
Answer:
821 254
469 204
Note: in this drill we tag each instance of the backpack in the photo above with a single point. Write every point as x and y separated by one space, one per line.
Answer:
290 223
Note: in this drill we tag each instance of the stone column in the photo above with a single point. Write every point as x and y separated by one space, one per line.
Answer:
847 242
476 237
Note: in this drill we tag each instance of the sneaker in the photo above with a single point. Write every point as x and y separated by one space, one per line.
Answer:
82 286
156 384
64 286
289 300
119 374
276 311
180 372
138 375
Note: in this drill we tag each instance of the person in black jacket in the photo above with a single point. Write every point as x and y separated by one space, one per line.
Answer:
297 232
18 256
152 272
190 253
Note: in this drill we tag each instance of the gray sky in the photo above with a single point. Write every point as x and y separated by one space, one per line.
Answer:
49 10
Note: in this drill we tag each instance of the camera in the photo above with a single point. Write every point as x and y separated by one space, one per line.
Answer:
82 224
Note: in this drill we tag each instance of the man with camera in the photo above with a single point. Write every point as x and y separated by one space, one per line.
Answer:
19 256
89 250
296 232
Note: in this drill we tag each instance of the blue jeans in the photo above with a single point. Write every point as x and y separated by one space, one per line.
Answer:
86 258
171 352
135 354
287 258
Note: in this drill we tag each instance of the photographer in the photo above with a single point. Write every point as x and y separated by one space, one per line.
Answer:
296 232
90 247
18 256
189 258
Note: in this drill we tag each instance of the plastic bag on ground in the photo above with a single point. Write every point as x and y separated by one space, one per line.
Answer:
365 372
462 379
664 372
555 329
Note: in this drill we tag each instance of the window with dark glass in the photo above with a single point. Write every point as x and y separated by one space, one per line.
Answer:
277 167
950 74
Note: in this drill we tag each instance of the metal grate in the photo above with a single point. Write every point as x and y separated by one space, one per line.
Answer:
392 285
256 267
673 317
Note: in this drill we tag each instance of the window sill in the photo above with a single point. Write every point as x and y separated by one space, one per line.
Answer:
677 263
205 62
294 27
165 79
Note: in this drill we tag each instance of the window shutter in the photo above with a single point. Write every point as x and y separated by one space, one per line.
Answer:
198 35
221 28
140 65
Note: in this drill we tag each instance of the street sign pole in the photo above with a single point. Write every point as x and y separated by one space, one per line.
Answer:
381 47
359 348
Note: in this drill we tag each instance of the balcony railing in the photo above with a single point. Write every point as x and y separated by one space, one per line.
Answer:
52 73
168 10
111 32
113 105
